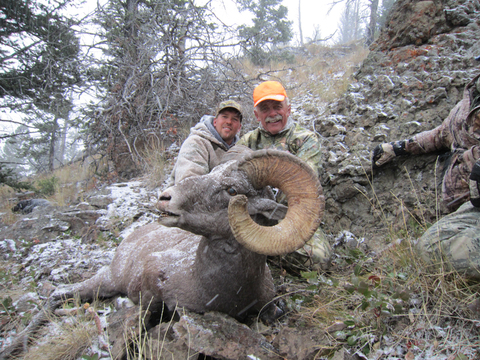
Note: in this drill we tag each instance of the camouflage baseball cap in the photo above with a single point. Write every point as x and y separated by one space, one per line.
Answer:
229 104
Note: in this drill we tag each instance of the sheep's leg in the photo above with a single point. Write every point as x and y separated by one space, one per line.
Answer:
98 286
272 311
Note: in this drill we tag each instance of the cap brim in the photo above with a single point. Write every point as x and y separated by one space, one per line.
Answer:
229 107
270 97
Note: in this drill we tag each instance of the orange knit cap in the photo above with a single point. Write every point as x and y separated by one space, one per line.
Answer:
268 90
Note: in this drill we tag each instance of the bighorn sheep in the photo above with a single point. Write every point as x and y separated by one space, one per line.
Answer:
222 265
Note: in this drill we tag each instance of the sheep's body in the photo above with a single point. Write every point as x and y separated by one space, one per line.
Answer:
209 271
171 265
212 270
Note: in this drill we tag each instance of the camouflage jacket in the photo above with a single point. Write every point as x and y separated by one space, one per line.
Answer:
201 151
294 139
459 133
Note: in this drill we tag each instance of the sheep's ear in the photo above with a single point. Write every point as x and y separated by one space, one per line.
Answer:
268 208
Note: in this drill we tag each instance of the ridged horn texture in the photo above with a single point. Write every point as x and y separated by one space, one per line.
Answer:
304 193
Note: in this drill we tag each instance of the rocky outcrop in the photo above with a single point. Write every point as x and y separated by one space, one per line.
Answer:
411 79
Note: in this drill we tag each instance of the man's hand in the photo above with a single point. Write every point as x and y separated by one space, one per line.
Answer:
385 153
382 154
474 184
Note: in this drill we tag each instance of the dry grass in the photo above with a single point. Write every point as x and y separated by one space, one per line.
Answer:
390 302
321 71
75 337
6 192
324 73
155 163
157 160
69 343
392 299
69 182
73 180
7 216
71 335
7 201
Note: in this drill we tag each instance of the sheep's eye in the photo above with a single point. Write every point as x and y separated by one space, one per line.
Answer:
232 191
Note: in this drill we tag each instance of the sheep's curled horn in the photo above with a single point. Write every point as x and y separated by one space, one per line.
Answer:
305 198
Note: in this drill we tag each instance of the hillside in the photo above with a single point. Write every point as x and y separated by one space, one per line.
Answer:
376 302
413 76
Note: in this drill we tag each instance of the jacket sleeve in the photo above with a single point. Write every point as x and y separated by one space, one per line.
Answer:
440 138
310 152
470 157
193 158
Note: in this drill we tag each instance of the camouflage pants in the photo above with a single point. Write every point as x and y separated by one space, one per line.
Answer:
455 182
316 254
454 241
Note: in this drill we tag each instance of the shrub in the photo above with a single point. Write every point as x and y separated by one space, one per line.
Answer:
47 187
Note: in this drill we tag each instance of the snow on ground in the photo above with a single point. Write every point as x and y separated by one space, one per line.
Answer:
65 260
43 266
130 199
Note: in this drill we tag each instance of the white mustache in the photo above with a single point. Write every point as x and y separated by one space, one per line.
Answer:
273 119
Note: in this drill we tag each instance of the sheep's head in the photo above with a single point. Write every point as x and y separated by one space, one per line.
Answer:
199 204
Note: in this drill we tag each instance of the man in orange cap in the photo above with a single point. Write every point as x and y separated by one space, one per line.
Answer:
278 131
207 142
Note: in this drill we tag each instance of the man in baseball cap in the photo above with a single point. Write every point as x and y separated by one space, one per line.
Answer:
278 131
271 106
208 141
227 122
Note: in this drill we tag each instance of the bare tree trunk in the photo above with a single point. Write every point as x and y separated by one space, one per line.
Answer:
51 151
357 20
300 21
373 22
61 153
131 15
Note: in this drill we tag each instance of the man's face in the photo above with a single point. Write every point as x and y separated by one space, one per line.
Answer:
227 124
273 115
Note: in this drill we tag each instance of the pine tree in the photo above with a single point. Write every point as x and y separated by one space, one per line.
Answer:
27 29
38 69
372 25
383 12
270 28
9 178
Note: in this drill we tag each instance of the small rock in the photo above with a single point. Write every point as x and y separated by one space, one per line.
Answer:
336 326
